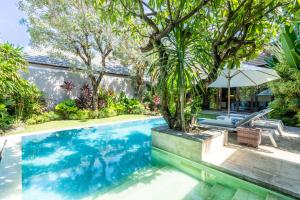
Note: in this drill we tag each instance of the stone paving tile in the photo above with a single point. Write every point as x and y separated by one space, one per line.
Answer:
10 171
257 165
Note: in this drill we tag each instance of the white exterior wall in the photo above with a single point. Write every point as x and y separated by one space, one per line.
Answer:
49 79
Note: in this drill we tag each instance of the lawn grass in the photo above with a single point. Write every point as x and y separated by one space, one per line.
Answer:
63 124
207 115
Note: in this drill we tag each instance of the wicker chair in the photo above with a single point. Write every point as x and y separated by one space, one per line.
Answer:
249 136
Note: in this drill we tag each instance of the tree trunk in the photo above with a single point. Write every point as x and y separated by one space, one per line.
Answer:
95 96
182 103
206 97
164 107
140 83
95 86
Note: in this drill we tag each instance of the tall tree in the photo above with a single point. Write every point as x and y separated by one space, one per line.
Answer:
159 18
130 55
75 30
235 31
228 31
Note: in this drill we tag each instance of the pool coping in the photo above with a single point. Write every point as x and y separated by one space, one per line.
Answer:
76 127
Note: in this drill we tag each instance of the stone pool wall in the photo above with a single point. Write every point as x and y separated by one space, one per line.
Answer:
191 146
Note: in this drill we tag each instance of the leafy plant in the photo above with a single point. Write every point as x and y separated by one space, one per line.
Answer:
119 108
286 90
84 101
5 119
42 118
66 108
68 86
106 98
80 115
21 98
107 112
135 107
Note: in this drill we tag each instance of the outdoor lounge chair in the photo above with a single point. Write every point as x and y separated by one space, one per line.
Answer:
267 129
260 122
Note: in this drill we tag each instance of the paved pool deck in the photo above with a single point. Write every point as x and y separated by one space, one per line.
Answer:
10 170
274 168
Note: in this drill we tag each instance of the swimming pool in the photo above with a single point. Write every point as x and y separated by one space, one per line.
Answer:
117 161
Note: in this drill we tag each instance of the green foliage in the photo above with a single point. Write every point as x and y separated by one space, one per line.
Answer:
119 108
196 105
180 75
93 114
42 118
81 115
107 112
11 63
106 97
20 98
214 34
286 91
290 44
5 119
135 107
66 108
129 106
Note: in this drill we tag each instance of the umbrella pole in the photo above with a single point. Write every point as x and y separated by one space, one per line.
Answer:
228 94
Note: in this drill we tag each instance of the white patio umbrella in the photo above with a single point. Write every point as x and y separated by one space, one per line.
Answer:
245 76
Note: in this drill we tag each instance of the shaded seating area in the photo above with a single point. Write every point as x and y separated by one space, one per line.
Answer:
267 127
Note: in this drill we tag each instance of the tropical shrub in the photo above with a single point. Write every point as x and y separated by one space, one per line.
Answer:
20 97
134 107
5 119
107 112
80 115
66 108
286 62
93 114
42 118
106 98
129 106
119 108
67 86
84 101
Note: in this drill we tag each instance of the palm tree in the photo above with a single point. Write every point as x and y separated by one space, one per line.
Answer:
183 74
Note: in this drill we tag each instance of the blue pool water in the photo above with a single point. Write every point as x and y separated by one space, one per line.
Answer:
74 163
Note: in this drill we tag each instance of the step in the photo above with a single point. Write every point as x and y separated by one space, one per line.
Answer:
272 197
200 192
246 195
159 184
220 192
